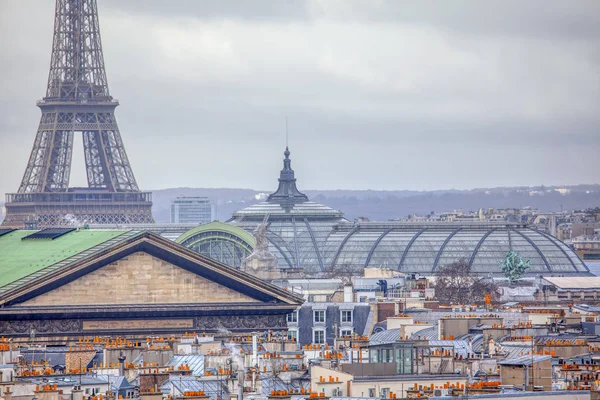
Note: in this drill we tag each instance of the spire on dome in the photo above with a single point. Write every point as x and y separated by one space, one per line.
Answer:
287 194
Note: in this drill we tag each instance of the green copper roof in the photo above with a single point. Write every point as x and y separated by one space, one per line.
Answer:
217 226
20 258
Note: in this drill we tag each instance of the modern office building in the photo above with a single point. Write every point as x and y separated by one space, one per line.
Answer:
192 210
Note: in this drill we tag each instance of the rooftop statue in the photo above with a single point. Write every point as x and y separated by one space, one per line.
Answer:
261 263
260 234
514 266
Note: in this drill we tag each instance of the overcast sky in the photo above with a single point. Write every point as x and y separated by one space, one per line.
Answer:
379 94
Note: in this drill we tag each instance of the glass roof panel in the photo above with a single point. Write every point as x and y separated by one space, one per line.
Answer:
357 248
460 246
389 251
422 253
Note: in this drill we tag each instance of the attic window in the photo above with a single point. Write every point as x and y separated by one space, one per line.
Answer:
6 230
50 233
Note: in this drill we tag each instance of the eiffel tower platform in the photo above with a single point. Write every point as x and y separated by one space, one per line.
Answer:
78 206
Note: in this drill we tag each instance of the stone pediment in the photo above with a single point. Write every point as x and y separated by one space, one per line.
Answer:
139 278
142 269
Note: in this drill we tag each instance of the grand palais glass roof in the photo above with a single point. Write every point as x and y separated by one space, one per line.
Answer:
314 237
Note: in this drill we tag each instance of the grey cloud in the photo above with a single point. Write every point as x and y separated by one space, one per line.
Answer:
552 18
546 18
379 94
231 9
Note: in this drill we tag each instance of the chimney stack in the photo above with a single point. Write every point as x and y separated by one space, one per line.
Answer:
122 359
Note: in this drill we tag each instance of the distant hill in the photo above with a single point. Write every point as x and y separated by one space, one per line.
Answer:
382 205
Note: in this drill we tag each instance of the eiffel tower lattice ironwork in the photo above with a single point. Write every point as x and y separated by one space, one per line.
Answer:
77 101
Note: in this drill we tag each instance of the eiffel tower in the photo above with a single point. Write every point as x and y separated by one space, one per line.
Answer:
77 101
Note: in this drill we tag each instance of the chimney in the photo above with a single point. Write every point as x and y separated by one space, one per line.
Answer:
77 393
282 395
122 359
47 392
348 294
151 396
254 350
193 396
150 383
241 374
7 394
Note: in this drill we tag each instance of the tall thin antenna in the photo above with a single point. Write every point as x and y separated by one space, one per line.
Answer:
286 132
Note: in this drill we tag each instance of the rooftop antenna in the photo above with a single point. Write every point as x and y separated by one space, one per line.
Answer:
286 132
